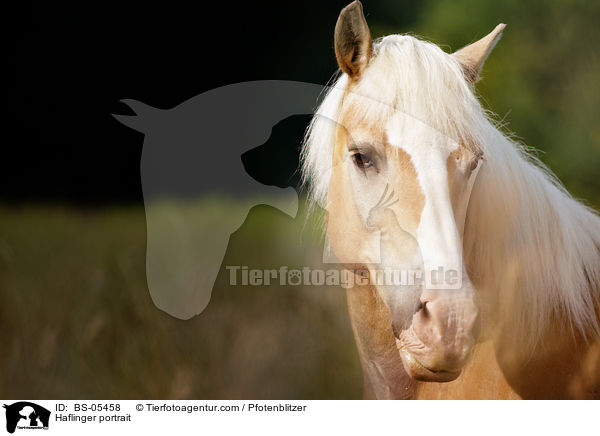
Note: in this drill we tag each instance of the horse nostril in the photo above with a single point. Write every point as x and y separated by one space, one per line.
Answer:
422 307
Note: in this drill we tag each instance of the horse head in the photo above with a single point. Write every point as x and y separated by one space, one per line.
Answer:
402 169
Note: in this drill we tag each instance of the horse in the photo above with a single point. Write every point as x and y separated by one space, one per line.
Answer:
414 174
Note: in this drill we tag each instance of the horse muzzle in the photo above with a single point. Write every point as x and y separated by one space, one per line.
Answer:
441 337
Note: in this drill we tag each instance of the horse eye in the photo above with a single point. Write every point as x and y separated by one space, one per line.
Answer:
362 160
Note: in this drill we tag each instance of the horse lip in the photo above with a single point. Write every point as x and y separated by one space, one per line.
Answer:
420 372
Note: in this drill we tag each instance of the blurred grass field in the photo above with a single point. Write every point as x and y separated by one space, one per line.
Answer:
77 321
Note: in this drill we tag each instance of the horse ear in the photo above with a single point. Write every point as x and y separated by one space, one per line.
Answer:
353 44
473 56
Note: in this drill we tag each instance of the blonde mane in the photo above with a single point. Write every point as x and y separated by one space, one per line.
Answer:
526 240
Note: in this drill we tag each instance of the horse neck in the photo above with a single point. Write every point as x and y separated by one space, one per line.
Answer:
533 253
531 250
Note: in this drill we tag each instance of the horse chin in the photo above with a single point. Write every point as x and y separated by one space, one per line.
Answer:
420 372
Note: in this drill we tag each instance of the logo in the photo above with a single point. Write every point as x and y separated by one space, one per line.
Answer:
188 225
26 415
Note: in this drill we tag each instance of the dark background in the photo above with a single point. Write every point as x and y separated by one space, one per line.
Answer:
69 65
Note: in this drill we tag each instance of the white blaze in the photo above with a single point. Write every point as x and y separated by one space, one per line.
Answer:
437 234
